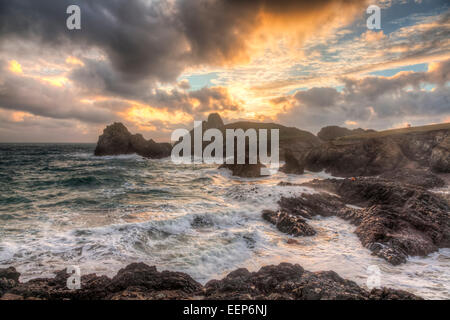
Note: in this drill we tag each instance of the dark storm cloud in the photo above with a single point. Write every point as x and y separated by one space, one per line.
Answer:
143 39
318 97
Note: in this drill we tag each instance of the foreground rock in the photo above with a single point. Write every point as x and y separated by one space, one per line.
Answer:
117 140
289 224
291 282
9 278
139 281
395 220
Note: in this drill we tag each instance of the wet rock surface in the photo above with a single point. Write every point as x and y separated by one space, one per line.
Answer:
9 278
291 282
395 220
139 281
289 224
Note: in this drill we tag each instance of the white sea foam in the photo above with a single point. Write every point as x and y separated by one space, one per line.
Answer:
204 222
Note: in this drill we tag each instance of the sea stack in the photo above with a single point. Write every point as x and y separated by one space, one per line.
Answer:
116 140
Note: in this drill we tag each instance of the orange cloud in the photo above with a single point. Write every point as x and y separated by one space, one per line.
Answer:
373 36
143 115
19 116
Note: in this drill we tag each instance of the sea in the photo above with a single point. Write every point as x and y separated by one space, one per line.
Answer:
62 206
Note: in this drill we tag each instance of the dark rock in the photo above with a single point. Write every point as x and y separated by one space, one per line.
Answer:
201 221
139 281
397 219
9 278
375 153
440 156
292 164
360 158
391 294
10 274
289 224
292 282
116 140
142 275
244 170
214 121
418 177
332 132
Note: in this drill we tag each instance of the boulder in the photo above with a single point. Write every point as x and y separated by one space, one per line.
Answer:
244 170
9 278
289 224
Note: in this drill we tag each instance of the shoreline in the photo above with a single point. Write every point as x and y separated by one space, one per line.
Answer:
139 281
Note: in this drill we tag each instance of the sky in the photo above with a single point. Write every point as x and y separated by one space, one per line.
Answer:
159 65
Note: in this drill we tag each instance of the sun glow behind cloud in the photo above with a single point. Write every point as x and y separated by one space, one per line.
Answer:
15 67
255 61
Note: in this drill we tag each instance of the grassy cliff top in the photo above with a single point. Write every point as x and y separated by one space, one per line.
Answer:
391 132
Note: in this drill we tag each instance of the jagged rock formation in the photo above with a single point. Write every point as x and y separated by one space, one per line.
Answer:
139 281
332 132
244 170
116 140
9 278
396 220
289 224
214 121
375 153
292 164
440 156
293 143
418 177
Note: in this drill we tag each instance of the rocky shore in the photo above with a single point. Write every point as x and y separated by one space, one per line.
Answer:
384 190
139 281
393 220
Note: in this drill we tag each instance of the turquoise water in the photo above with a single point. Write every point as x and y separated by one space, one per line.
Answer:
61 206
